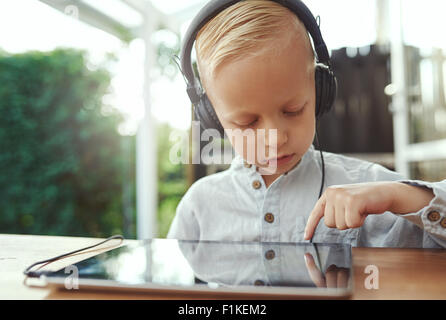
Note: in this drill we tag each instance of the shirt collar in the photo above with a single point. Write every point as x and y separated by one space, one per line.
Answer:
302 163
238 163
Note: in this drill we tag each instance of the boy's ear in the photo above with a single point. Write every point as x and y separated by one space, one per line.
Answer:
326 89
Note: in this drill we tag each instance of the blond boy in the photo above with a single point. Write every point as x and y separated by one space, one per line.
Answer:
257 66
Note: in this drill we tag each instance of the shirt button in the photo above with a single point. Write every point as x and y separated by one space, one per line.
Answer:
270 255
443 223
433 216
269 217
259 283
256 184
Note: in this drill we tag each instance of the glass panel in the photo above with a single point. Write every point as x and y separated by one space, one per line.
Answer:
426 58
426 92
428 170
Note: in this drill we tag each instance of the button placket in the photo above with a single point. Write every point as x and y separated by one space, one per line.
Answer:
272 262
271 214
269 217
258 194
259 282
260 276
256 184
270 254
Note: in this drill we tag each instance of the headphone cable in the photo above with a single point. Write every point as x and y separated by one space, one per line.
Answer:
323 175
37 274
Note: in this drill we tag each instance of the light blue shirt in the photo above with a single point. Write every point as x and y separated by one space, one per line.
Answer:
235 263
230 205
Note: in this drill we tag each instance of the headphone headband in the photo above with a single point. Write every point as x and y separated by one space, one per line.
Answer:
214 7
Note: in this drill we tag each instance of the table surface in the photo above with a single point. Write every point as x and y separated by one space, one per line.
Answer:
403 273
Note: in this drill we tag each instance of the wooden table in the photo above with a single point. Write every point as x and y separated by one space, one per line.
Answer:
403 273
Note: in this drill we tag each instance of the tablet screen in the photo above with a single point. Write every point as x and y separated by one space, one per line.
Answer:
185 264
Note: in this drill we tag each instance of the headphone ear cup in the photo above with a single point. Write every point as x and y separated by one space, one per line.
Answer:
205 113
326 89
319 89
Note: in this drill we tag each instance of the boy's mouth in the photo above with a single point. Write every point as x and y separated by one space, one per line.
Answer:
281 160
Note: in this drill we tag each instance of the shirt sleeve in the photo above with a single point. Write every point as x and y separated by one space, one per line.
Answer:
431 218
185 224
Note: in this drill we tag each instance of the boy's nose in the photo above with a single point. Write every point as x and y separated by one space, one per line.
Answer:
275 138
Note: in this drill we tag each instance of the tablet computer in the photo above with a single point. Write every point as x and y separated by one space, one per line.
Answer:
250 269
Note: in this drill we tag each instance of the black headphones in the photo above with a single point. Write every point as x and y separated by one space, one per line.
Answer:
325 80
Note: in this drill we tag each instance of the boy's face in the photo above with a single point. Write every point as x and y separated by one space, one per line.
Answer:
275 90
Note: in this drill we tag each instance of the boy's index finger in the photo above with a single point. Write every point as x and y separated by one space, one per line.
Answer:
315 274
314 218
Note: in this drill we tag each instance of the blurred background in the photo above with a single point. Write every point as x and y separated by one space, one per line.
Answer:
90 100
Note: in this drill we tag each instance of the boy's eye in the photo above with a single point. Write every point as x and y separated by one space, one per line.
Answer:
247 124
287 113
294 113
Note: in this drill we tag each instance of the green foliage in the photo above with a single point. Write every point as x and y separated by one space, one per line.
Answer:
65 170
62 161
168 45
171 181
171 177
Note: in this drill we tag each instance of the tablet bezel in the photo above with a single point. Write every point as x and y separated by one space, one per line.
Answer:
243 291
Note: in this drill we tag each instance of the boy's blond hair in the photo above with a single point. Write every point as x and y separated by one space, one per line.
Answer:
245 29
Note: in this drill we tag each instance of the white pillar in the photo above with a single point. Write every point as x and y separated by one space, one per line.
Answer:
146 148
399 98
383 21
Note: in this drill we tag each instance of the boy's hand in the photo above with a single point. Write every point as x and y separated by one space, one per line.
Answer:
334 277
347 206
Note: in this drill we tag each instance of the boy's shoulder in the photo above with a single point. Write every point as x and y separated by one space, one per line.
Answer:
339 169
345 162
358 169
211 181
218 182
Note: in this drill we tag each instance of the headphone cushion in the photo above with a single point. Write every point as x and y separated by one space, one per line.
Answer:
326 89
205 113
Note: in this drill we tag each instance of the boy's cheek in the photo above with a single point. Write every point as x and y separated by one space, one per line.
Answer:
248 152
244 146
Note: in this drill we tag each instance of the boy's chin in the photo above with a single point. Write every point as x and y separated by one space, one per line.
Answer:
269 171
276 169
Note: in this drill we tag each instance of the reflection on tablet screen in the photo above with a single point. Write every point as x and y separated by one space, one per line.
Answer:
221 264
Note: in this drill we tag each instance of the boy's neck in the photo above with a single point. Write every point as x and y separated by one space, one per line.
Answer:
269 179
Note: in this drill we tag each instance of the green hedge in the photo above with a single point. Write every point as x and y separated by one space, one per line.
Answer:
172 182
62 162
